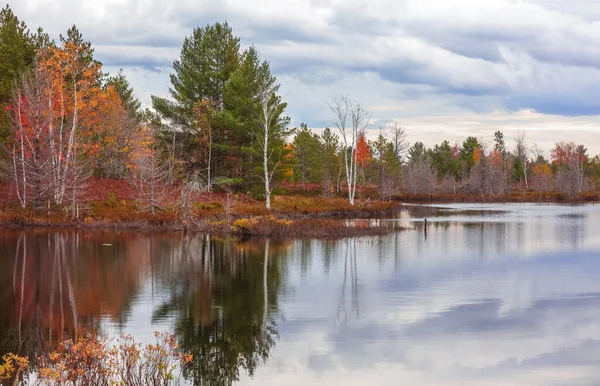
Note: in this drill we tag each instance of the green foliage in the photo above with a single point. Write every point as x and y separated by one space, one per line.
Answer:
308 154
499 144
131 104
386 165
17 52
213 71
416 152
330 159
467 151
443 160
208 58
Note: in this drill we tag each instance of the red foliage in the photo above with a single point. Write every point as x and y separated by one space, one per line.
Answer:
363 151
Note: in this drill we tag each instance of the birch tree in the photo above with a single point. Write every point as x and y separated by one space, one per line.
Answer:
351 119
30 156
272 127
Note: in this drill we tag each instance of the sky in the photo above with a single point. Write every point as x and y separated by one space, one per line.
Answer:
443 69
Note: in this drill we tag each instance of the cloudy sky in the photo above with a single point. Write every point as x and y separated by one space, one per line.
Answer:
444 69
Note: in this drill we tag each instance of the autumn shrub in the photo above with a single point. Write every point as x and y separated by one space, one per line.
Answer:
207 209
111 209
12 368
261 225
104 362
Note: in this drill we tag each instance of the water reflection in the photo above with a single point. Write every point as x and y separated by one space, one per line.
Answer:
224 295
58 285
504 294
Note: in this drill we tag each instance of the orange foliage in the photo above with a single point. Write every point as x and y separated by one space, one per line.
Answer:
74 90
477 153
363 151
496 159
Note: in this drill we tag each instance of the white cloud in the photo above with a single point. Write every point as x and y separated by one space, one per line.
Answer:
430 64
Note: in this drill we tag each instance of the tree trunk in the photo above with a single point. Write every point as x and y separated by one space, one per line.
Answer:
265 165
209 178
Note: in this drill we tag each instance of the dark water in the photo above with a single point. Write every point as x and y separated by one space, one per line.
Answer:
494 295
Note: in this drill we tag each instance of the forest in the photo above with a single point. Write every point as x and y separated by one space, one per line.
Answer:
77 145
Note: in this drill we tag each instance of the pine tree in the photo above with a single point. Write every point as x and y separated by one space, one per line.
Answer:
208 58
17 52
131 104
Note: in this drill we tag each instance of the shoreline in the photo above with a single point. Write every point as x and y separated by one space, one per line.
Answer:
513 197
292 216
317 224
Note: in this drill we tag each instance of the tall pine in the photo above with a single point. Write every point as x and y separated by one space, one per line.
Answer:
17 52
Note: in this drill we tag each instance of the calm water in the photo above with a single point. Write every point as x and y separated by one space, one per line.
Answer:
492 294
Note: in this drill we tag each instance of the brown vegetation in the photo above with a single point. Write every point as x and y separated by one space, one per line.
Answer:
113 204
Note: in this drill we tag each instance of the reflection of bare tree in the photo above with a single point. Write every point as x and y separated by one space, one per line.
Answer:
344 312
43 292
63 283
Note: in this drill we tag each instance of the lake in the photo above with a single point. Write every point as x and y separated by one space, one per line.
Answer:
498 294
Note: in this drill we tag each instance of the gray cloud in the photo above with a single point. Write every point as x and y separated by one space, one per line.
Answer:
418 58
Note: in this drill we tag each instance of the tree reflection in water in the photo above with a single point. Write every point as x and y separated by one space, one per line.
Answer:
223 294
345 311
58 285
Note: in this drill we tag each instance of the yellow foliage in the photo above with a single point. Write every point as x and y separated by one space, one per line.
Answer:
540 170
12 365
251 224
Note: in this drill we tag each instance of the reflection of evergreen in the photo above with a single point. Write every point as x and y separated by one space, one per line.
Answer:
217 295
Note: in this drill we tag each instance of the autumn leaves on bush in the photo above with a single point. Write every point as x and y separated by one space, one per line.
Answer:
102 362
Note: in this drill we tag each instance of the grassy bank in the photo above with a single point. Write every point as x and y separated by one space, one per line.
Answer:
293 215
111 204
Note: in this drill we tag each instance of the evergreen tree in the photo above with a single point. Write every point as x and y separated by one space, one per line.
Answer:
208 59
442 159
131 104
307 152
17 52
469 146
331 163
387 165
416 152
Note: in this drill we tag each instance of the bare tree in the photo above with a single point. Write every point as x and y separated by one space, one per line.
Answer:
398 137
46 121
76 183
421 177
522 152
349 112
31 155
149 175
